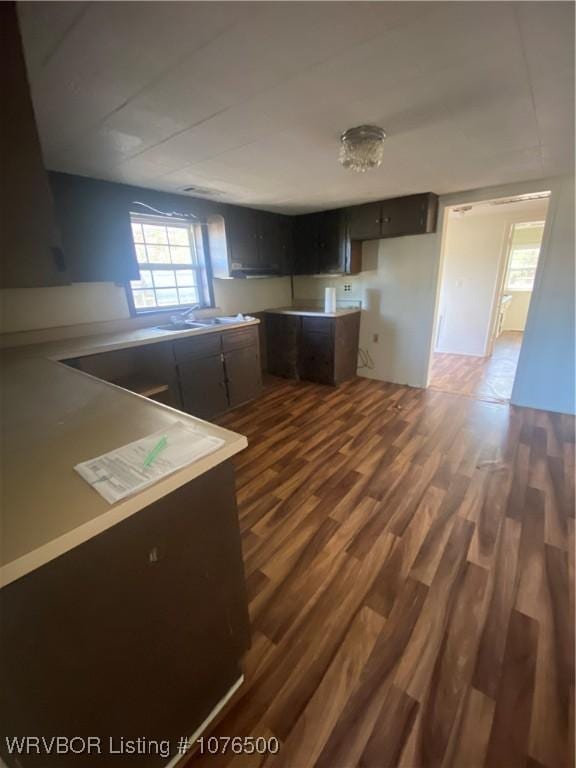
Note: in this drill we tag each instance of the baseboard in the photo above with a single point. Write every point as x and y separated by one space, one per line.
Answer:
177 759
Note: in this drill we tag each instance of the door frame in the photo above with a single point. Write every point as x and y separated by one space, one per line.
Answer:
471 197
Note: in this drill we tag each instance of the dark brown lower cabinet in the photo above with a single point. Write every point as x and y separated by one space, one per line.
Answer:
218 371
320 349
282 333
203 375
138 632
242 367
203 386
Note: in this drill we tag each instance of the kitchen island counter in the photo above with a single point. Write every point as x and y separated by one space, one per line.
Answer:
55 417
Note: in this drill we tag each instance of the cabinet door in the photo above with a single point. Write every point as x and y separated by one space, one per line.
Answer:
282 338
243 375
412 215
242 237
94 219
306 244
29 241
334 245
364 221
272 243
203 386
316 361
316 358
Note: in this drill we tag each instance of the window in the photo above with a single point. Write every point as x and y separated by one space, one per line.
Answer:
172 266
524 252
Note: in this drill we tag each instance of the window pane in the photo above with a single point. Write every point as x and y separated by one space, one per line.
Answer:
180 255
137 233
178 236
188 295
164 278
185 277
166 296
145 280
155 233
521 279
158 254
524 257
144 299
141 254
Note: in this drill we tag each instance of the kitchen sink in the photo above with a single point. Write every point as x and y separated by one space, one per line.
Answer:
175 327
209 322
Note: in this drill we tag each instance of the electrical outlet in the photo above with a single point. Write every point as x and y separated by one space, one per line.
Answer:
375 338
347 287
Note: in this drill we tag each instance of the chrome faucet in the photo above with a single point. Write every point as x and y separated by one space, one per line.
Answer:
187 315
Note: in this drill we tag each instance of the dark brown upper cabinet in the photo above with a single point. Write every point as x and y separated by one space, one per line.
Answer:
245 242
412 215
94 220
29 240
322 244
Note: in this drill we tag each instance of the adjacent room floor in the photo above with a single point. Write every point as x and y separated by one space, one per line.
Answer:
485 378
408 556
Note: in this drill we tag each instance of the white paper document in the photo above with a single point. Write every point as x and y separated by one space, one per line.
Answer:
123 471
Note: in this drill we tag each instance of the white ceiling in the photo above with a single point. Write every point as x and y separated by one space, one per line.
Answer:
250 98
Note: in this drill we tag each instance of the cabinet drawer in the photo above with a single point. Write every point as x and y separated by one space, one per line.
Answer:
245 337
200 346
317 325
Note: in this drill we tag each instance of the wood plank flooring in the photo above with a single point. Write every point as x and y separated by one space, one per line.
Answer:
485 378
409 560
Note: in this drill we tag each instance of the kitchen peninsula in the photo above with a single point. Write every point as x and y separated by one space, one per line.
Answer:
119 619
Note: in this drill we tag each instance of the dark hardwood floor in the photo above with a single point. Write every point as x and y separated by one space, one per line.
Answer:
409 558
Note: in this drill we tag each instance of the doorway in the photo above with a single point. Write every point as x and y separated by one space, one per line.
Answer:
490 256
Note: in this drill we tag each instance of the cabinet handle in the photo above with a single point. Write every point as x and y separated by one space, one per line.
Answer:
386 220
59 260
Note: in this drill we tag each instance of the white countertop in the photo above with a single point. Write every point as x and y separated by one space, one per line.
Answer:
55 417
312 312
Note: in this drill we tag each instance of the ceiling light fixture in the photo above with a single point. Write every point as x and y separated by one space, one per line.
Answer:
362 148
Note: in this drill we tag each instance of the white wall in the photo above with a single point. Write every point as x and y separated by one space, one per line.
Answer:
473 252
397 288
25 309
517 312
545 376
252 294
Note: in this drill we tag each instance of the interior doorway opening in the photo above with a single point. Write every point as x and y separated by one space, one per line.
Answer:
490 258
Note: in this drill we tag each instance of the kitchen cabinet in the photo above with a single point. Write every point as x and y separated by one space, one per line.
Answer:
396 217
275 243
218 371
242 238
245 242
320 349
139 630
306 234
365 221
316 351
94 219
242 367
203 375
29 238
203 386
322 245
282 336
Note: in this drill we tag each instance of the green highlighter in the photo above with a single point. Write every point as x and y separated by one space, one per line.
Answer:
156 451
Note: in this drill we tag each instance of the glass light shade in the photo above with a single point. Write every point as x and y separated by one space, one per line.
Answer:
362 148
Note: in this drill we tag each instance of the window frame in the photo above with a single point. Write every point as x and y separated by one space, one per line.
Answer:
527 247
197 232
